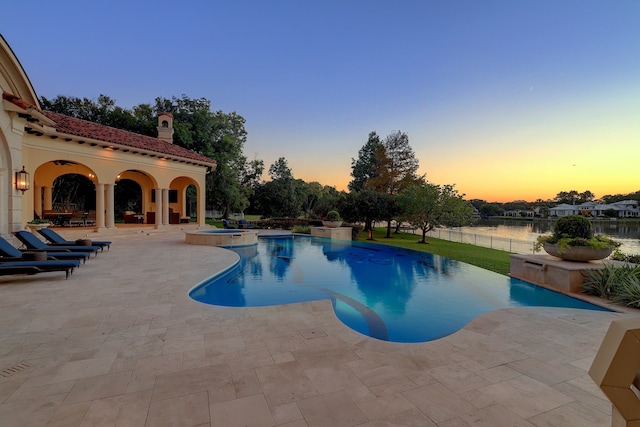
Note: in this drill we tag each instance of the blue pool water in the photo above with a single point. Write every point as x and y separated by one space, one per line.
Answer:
383 292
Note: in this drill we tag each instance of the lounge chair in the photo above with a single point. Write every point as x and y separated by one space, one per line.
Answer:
33 243
34 267
9 253
227 224
243 223
55 239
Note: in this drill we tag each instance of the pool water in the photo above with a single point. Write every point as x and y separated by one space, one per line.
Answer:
386 293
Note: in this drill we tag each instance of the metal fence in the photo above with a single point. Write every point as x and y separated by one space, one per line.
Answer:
493 242
220 214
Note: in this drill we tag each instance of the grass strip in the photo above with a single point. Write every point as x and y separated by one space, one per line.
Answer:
489 259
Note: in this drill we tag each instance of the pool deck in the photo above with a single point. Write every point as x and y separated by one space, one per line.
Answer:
121 343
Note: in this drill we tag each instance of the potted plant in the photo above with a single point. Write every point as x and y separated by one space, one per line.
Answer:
37 224
332 220
573 240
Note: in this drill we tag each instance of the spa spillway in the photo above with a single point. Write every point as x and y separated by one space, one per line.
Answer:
222 237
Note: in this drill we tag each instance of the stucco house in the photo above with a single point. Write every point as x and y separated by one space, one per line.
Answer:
624 209
37 146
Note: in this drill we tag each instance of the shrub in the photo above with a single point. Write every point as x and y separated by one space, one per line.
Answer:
301 229
333 216
573 226
618 284
620 256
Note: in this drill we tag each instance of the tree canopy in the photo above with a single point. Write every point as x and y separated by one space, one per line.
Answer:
215 134
427 206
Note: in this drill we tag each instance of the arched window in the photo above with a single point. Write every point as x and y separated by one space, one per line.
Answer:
165 124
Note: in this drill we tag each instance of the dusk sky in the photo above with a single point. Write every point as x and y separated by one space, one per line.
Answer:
506 99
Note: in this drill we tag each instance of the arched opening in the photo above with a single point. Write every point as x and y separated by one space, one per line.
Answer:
191 195
127 200
73 192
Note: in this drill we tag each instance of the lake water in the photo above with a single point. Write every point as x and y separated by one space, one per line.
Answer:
623 231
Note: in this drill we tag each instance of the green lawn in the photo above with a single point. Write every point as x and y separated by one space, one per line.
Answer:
489 259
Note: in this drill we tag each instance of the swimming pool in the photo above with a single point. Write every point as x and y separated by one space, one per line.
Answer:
384 292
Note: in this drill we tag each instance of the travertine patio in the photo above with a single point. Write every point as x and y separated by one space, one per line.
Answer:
121 343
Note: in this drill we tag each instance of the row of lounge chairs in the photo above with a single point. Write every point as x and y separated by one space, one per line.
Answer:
39 257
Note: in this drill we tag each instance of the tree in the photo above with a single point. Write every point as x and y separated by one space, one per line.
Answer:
280 170
364 168
491 209
573 197
366 206
395 169
284 195
427 206
320 199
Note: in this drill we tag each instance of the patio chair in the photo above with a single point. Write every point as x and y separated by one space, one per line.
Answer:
34 267
9 253
227 224
90 218
33 243
77 218
55 239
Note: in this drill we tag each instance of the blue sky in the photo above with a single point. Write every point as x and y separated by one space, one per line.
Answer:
506 99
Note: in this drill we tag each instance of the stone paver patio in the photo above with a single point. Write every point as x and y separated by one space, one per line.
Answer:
120 343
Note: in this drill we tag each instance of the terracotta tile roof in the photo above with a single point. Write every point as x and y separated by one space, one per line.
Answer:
83 128
17 101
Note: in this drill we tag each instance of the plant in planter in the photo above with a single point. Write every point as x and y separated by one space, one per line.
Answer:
333 220
573 240
36 224
38 221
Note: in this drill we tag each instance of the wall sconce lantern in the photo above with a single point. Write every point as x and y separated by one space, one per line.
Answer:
22 180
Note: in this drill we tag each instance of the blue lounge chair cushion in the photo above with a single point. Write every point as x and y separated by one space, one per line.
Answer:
32 242
7 250
56 239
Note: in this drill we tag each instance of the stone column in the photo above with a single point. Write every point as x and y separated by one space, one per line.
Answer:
100 206
165 206
111 220
159 207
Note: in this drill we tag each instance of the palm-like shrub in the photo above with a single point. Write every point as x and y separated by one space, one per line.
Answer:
618 284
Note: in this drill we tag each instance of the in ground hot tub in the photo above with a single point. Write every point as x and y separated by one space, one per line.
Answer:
222 237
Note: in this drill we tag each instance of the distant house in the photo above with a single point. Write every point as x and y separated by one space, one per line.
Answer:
519 213
564 209
624 209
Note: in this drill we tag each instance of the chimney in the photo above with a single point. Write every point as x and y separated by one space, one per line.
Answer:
165 127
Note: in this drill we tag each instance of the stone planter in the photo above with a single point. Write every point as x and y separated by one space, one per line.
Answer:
36 227
332 224
576 253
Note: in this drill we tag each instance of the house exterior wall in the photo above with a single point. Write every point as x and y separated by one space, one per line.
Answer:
102 164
